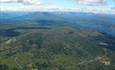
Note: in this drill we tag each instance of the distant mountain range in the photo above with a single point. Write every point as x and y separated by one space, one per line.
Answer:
11 16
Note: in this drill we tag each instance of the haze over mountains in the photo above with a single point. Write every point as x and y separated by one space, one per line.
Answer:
66 17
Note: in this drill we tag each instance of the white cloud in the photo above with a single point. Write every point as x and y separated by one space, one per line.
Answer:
32 1
91 2
29 8
38 5
7 1
21 1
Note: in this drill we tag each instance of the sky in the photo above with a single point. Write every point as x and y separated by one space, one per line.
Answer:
107 6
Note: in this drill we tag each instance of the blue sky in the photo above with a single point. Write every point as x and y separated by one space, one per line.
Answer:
74 3
30 5
62 3
111 3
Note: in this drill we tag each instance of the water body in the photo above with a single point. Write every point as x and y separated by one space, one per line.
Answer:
8 33
102 28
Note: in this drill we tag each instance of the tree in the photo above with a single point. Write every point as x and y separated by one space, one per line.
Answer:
4 67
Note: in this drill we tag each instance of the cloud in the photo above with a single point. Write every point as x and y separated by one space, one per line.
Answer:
35 2
91 2
6 1
21 1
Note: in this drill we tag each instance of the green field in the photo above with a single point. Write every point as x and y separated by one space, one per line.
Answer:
57 48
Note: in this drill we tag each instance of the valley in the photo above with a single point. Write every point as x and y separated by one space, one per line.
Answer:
57 41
